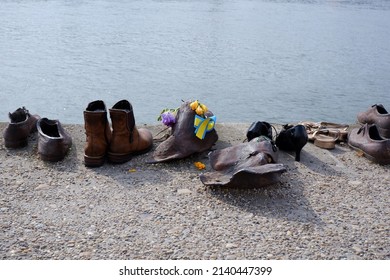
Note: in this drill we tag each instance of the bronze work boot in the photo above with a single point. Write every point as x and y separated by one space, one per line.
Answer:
53 141
378 115
21 125
367 140
126 140
98 133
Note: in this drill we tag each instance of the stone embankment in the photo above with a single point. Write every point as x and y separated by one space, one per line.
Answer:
334 204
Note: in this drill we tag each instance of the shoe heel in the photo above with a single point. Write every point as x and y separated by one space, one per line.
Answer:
93 161
119 158
298 154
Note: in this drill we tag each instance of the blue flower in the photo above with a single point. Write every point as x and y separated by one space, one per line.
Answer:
168 119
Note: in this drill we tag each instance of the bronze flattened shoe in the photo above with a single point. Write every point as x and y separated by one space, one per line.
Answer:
98 134
127 140
378 115
53 141
22 123
368 140
250 164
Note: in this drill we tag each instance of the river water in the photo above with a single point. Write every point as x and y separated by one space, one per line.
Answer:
277 60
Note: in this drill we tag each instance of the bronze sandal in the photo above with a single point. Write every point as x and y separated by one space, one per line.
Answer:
334 128
323 139
328 128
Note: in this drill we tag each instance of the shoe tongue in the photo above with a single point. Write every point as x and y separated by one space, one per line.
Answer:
18 116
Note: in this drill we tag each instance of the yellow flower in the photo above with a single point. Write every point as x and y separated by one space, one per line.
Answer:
194 105
199 111
199 165
204 107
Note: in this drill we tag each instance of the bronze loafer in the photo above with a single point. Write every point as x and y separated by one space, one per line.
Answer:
53 141
368 141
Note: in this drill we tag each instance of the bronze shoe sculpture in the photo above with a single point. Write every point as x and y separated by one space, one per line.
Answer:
127 140
53 141
368 140
292 138
257 129
183 142
378 115
250 164
22 123
98 134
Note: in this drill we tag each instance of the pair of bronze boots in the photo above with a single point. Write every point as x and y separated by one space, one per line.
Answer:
118 144
53 141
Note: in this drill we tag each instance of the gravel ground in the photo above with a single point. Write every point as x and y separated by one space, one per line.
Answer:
331 205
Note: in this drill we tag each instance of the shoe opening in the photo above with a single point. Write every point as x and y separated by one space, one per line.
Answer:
381 109
123 105
374 133
50 128
96 106
18 116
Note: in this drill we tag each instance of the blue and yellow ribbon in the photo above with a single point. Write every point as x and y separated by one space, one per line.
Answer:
203 125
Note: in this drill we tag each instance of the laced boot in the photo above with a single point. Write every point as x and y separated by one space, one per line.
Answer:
98 133
127 140
22 123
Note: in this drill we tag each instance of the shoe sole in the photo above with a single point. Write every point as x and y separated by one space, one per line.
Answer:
93 161
370 157
119 158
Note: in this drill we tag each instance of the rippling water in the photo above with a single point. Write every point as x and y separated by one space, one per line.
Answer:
279 61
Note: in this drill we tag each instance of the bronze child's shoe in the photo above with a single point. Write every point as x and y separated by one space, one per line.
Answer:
22 123
53 141
127 140
98 134
378 115
368 140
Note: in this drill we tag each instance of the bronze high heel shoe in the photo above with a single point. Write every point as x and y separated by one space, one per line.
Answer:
292 138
